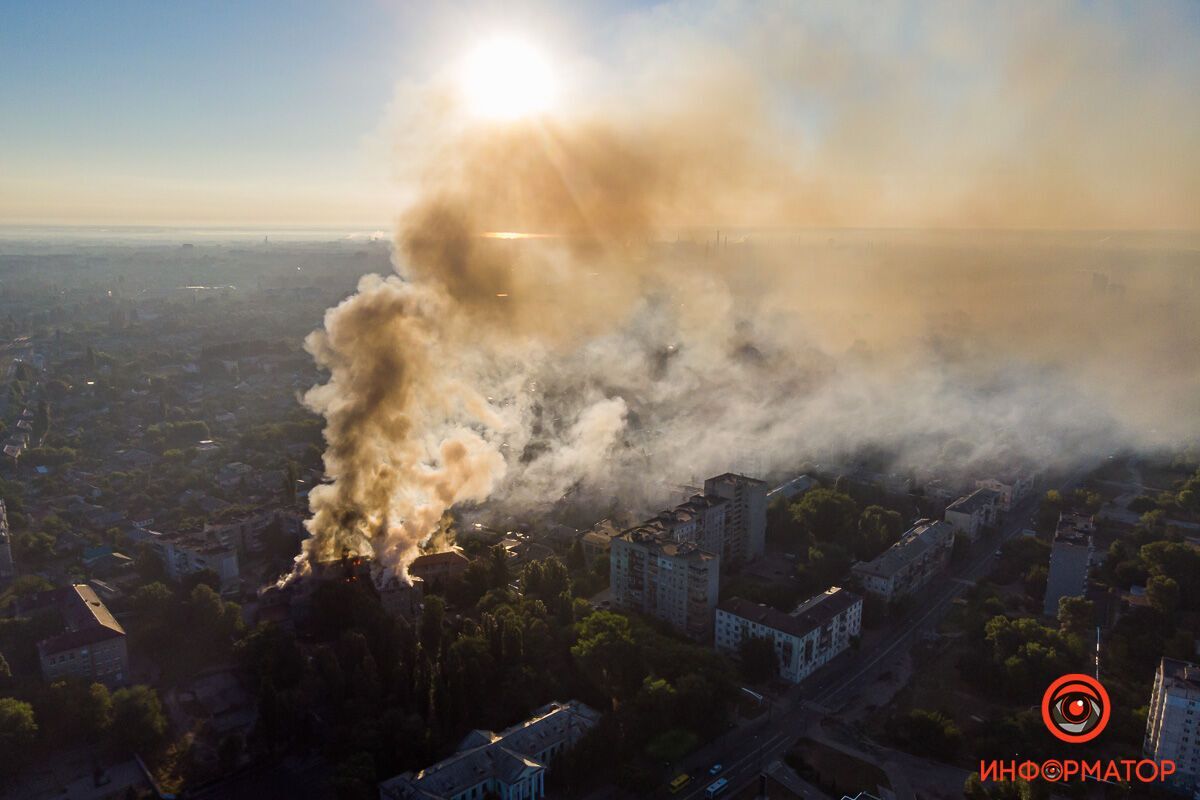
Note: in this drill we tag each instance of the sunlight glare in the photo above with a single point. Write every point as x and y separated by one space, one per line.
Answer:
506 78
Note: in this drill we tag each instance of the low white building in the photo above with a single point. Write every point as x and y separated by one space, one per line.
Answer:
1173 721
922 552
805 640
510 765
971 514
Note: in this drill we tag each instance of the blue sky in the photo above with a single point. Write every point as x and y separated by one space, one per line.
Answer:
276 112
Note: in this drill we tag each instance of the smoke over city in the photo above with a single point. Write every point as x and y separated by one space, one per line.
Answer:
679 311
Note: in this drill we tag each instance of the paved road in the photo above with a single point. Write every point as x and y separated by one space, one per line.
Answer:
745 751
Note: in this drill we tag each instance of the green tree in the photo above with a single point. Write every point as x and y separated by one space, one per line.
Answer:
546 580
879 528
1076 615
576 558
606 653
826 515
1035 582
1049 511
499 573
928 733
270 651
18 730
432 616
138 722
1163 594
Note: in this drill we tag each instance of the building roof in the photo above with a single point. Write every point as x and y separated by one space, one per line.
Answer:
820 609
660 542
447 558
810 615
735 478
916 542
764 615
974 501
1074 529
506 756
87 620
1180 672
796 486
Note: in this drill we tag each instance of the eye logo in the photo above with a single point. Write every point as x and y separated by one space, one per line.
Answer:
1075 708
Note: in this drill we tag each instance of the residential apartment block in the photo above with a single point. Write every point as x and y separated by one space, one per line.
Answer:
971 514
187 552
746 518
1012 487
1070 560
91 647
805 640
920 554
1173 721
676 581
510 765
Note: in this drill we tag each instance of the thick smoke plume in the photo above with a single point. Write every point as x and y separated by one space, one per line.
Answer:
632 345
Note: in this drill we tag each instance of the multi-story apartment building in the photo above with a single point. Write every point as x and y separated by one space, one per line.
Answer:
510 765
805 640
1173 721
920 554
971 514
245 533
652 573
746 518
8 568
701 520
91 647
187 552
1012 487
1070 560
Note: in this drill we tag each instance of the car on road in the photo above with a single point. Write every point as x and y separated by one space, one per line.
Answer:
678 783
716 769
716 788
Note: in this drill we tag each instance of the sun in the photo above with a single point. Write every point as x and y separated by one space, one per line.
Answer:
506 78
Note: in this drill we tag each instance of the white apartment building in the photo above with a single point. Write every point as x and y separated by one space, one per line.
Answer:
971 514
1070 560
922 552
1173 721
805 640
